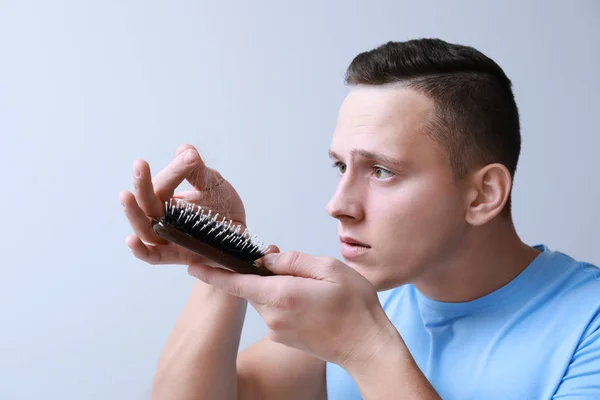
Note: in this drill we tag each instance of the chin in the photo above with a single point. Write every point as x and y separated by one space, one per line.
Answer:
378 278
369 273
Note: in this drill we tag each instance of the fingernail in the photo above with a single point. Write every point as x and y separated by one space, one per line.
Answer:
137 172
270 259
189 157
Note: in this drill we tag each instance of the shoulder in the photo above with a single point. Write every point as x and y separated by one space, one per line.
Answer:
577 291
579 277
580 298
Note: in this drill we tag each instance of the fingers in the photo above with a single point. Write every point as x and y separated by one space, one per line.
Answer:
167 180
300 264
153 254
252 287
201 177
270 249
144 190
150 194
207 179
187 165
138 220
273 249
183 148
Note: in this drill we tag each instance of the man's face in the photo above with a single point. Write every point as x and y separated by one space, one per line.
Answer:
409 213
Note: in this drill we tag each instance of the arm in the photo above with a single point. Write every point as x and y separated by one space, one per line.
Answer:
327 309
199 358
582 378
389 370
271 371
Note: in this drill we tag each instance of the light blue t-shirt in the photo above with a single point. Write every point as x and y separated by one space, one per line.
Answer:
538 337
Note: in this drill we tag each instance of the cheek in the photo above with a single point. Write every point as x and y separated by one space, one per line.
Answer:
421 219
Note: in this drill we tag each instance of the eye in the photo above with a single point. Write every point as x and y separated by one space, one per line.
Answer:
340 166
382 173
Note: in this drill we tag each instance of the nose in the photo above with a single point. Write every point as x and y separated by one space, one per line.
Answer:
346 202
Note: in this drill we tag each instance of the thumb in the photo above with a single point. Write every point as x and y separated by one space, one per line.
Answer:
300 264
271 249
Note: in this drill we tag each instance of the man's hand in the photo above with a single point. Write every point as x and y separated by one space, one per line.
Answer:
318 305
325 308
210 190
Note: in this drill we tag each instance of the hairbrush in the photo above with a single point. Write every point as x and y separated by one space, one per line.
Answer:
197 229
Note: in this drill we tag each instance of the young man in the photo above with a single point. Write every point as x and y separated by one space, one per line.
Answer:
427 144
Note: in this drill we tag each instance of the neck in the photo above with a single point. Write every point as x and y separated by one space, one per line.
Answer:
487 258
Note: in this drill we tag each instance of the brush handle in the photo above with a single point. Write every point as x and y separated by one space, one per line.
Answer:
197 246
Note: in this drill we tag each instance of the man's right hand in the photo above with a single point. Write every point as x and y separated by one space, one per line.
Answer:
211 190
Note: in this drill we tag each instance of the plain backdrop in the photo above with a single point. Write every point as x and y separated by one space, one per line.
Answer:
86 87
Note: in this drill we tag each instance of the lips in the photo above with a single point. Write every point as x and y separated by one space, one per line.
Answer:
353 252
351 241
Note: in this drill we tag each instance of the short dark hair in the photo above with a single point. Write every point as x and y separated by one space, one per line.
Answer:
476 118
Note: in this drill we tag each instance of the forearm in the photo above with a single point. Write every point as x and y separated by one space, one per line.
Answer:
199 357
391 373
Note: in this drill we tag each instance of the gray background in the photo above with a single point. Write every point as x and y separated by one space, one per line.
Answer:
86 87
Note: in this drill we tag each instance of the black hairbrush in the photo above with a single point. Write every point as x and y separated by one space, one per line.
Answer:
191 227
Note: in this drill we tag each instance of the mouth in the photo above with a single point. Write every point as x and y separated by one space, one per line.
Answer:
353 242
352 248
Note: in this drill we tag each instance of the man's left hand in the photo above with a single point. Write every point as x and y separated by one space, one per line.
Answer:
316 304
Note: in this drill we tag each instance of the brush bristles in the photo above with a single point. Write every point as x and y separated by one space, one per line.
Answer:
194 221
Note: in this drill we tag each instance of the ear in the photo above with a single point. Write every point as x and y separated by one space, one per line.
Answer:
489 191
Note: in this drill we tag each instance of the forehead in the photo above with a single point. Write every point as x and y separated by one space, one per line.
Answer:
384 119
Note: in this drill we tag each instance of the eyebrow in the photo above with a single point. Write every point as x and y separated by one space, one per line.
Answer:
373 157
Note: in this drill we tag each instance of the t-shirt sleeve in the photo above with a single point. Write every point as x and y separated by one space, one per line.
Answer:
582 378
